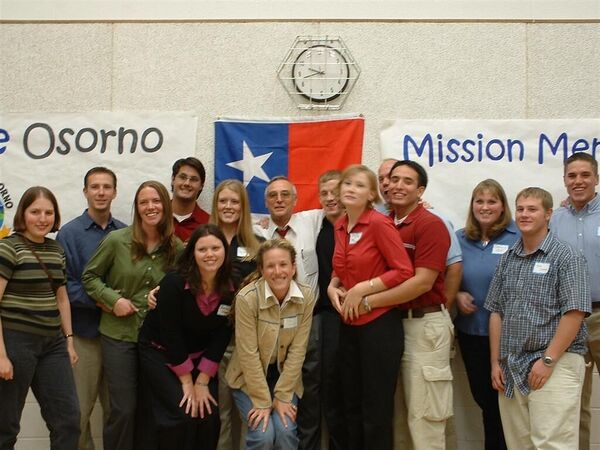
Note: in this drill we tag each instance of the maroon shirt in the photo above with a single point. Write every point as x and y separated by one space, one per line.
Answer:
427 242
186 227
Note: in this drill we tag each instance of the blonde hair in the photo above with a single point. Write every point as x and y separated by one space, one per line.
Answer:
271 244
244 233
537 192
473 228
371 177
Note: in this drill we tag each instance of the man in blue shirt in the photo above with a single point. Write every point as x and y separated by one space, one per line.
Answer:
538 299
80 238
578 224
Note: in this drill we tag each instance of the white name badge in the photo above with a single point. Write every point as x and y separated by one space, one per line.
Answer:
540 267
355 237
223 310
290 322
242 252
499 249
598 232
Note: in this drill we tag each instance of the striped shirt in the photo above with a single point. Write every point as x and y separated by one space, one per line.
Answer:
532 292
29 302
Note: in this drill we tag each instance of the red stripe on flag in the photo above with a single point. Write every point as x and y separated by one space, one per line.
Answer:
316 147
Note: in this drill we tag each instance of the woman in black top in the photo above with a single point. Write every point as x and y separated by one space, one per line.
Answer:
183 340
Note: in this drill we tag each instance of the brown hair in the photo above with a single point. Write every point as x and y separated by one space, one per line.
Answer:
537 192
30 196
165 227
473 228
266 246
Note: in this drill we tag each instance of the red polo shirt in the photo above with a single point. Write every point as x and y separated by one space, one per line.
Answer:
427 241
186 227
372 249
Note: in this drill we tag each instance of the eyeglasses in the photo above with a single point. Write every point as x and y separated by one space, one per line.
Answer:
183 178
273 195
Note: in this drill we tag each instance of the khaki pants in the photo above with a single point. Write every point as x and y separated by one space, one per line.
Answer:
593 357
90 385
546 419
427 380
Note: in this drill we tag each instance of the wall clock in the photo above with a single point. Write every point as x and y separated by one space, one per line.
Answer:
318 72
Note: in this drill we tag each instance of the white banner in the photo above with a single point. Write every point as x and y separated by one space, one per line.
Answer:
458 154
57 149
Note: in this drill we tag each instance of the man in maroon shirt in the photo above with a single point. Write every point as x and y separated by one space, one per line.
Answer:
187 182
428 330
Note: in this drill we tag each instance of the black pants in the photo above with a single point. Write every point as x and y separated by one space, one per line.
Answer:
475 351
370 361
176 429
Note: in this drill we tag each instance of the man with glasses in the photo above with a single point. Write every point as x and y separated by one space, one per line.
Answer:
187 181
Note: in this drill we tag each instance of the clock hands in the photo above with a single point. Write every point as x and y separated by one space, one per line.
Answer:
316 72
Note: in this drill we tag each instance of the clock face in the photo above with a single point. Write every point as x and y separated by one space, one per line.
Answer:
320 73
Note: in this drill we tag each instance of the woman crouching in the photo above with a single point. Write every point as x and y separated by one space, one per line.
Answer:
273 316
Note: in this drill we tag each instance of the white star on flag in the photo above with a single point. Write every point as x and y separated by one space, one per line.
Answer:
251 165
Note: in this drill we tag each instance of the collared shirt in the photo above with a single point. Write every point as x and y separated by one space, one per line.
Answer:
581 229
111 273
80 238
426 240
532 292
371 249
479 265
304 227
185 228
455 250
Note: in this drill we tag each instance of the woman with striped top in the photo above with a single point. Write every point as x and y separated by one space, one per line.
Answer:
36 338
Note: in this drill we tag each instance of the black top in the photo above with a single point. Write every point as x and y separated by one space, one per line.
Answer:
178 324
324 247
240 266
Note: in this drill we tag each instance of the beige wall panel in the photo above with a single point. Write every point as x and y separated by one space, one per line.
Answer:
55 67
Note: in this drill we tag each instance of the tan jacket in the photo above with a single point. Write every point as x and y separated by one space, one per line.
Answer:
260 325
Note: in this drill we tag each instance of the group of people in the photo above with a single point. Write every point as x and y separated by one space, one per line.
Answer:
343 313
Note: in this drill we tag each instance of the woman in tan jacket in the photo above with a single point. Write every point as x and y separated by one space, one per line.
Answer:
273 317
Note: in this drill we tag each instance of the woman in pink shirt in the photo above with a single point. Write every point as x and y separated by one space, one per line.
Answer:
369 257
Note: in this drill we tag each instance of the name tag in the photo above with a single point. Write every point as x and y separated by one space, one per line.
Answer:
540 267
242 252
223 310
290 322
499 249
598 232
355 237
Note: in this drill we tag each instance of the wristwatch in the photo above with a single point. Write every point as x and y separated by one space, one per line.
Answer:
548 361
365 304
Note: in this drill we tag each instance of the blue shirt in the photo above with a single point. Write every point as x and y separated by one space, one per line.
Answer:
479 264
581 229
80 239
531 292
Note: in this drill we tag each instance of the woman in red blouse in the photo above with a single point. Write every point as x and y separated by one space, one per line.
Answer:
369 257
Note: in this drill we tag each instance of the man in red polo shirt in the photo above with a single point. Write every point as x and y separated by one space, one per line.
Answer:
428 330
187 181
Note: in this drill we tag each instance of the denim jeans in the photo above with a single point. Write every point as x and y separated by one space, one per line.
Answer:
277 436
42 363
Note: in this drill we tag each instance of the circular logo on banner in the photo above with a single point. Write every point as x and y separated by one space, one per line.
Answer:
4 231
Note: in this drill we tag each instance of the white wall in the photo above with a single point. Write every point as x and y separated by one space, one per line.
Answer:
414 70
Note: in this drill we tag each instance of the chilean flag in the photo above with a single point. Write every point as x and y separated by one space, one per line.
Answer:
254 151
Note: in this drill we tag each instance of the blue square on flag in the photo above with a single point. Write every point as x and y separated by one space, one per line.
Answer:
256 151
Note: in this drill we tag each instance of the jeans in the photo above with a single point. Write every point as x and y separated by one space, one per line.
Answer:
42 363
276 437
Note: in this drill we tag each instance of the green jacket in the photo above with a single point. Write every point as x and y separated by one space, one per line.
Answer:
111 274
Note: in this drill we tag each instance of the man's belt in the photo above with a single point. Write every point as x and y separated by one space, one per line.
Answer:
419 313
